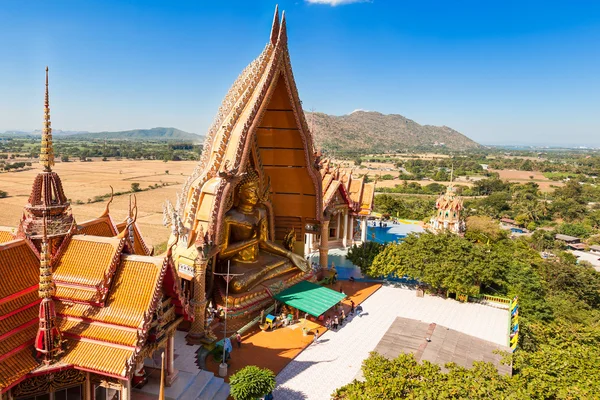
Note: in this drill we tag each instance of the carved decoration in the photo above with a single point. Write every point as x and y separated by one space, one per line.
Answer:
48 382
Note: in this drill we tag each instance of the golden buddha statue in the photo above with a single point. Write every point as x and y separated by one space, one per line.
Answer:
246 243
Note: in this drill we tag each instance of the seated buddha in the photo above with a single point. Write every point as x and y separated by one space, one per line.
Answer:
246 243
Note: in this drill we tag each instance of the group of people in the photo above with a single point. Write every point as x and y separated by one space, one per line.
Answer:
337 320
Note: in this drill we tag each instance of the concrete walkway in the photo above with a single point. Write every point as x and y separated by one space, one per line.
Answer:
336 359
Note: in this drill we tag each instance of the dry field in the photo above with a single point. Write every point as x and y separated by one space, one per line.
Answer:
84 180
524 177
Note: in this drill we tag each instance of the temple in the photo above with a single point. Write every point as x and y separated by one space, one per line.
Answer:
347 203
81 306
447 217
254 205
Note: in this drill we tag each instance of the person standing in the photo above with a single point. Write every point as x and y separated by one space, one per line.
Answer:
238 339
335 323
351 307
342 317
316 339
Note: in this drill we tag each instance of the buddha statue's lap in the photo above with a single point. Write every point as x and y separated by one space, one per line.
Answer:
246 245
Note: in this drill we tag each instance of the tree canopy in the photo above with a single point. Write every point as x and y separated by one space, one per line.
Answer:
559 318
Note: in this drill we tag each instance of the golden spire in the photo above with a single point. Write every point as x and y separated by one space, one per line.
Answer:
46 287
47 152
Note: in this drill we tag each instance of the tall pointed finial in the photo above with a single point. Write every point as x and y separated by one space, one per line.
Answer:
451 174
275 26
282 29
46 151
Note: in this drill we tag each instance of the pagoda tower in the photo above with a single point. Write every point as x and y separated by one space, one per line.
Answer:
48 209
447 216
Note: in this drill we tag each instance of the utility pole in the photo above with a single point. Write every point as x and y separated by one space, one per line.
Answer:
228 276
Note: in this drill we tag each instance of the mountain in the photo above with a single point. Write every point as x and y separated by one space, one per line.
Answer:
373 132
139 134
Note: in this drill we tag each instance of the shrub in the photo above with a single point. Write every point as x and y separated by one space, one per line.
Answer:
135 187
252 382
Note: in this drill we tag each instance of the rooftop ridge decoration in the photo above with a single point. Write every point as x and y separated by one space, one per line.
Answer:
47 151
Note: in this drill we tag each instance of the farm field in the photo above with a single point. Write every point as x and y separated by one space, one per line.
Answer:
546 185
85 180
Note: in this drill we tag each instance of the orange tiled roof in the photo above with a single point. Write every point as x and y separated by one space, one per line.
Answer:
98 357
80 293
367 197
330 193
91 330
19 267
327 179
18 319
15 366
87 260
20 301
102 226
355 189
17 339
130 296
6 234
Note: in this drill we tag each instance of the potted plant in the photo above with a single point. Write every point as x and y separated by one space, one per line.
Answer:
252 382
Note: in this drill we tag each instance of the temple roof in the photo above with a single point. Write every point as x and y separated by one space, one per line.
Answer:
357 194
261 113
105 298
101 226
449 201
6 234
92 328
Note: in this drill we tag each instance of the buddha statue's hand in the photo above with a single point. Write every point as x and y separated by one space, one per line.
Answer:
299 261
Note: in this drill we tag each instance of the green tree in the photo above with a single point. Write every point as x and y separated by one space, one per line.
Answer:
363 255
252 382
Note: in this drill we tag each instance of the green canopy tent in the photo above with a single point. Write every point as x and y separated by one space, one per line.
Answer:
310 298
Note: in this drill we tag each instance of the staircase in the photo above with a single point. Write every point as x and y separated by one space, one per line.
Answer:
205 386
187 386
190 383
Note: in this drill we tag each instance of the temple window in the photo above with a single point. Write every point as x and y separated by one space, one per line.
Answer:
70 393
332 232
102 393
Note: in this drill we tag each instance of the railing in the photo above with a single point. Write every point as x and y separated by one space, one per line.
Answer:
495 299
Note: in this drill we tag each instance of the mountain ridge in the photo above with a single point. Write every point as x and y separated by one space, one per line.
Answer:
372 131
158 133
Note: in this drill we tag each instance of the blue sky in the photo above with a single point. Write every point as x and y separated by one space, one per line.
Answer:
508 72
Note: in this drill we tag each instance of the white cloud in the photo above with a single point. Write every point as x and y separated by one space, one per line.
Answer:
359 109
334 3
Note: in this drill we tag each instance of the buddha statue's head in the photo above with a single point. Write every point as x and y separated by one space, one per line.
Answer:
248 189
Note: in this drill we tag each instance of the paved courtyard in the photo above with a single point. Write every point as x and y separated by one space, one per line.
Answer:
336 359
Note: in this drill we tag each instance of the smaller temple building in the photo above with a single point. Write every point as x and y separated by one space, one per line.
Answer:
347 204
81 306
448 209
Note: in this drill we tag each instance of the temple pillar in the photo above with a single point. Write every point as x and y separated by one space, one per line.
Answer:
338 228
170 349
363 229
87 388
324 245
345 237
126 390
198 303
